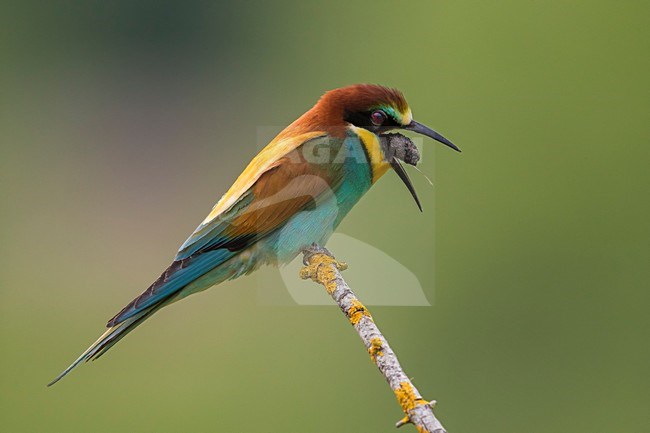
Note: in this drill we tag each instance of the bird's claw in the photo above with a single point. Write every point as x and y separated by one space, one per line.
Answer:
316 258
312 250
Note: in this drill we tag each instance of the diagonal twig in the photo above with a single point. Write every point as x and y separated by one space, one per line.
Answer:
323 268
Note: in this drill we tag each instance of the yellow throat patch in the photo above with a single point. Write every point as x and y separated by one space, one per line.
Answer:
373 149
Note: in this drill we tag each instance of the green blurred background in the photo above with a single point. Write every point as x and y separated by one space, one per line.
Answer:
122 122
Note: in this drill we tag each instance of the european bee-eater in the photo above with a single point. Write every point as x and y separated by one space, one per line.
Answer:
294 193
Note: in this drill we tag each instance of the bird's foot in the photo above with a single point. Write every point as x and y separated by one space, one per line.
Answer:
316 258
312 250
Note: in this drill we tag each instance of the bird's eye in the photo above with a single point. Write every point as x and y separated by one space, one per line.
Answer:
378 117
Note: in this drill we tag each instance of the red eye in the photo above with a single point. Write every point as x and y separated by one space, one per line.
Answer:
378 117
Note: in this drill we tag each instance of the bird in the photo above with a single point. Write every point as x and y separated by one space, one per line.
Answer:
293 194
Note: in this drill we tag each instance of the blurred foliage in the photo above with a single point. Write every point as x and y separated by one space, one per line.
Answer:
122 122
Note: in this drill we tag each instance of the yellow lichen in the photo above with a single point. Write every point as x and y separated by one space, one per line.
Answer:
341 266
407 397
357 311
375 349
403 421
307 272
321 269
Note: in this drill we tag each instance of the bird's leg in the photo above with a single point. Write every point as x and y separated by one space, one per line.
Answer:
312 250
317 260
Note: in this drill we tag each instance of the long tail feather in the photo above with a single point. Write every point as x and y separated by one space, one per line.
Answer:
109 338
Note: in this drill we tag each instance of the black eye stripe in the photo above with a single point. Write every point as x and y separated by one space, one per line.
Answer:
362 119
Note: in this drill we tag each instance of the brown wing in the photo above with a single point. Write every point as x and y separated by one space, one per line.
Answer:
290 185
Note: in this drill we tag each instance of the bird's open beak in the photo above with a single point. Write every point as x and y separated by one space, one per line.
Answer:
425 130
397 166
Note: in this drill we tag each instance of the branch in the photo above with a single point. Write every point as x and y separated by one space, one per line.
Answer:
324 269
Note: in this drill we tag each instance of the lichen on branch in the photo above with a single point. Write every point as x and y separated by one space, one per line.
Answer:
323 268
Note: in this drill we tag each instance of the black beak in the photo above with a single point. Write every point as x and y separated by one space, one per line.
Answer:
397 166
425 130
